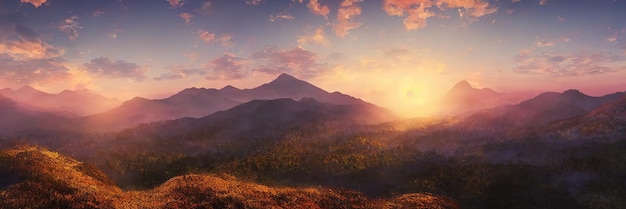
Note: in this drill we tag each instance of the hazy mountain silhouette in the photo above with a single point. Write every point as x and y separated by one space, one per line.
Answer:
67 103
286 86
16 117
199 102
607 122
540 110
264 119
463 99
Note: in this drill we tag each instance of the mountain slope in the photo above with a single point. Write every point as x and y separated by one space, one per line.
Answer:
538 111
607 122
463 99
257 119
16 117
48 179
187 103
286 86
199 102
79 102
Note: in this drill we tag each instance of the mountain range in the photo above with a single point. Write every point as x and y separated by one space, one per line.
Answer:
200 102
66 103
463 100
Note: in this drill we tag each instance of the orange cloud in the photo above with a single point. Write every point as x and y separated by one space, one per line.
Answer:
29 50
347 10
317 9
35 3
418 11
318 38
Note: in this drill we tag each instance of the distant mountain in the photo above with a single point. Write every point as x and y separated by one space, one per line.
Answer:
200 102
187 103
263 119
463 100
538 111
286 86
67 103
607 122
16 117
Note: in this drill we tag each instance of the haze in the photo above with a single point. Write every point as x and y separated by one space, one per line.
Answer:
397 54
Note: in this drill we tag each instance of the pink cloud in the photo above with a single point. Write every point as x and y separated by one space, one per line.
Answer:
226 39
226 67
71 26
186 16
36 3
558 65
281 16
105 67
298 61
175 3
317 9
347 10
205 36
416 12
26 58
253 2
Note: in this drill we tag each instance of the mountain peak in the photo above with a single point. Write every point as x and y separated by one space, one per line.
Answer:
462 85
229 88
284 77
572 92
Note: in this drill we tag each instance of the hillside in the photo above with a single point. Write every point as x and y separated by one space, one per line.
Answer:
49 180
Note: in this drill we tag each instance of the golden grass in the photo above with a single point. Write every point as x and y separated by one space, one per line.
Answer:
51 180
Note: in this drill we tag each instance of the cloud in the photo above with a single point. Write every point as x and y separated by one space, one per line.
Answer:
205 9
226 67
612 38
186 16
317 9
105 67
543 2
544 43
32 71
558 65
281 16
35 3
253 2
205 36
318 37
226 40
179 72
175 3
70 26
25 58
97 13
416 12
298 61
347 10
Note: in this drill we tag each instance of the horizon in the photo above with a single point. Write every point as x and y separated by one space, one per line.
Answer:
408 52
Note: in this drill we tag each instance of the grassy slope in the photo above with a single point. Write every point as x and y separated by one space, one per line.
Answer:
37 178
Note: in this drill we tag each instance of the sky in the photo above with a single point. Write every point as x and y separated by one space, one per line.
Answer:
394 53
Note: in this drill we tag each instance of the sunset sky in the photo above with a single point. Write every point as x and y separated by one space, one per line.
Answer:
394 53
